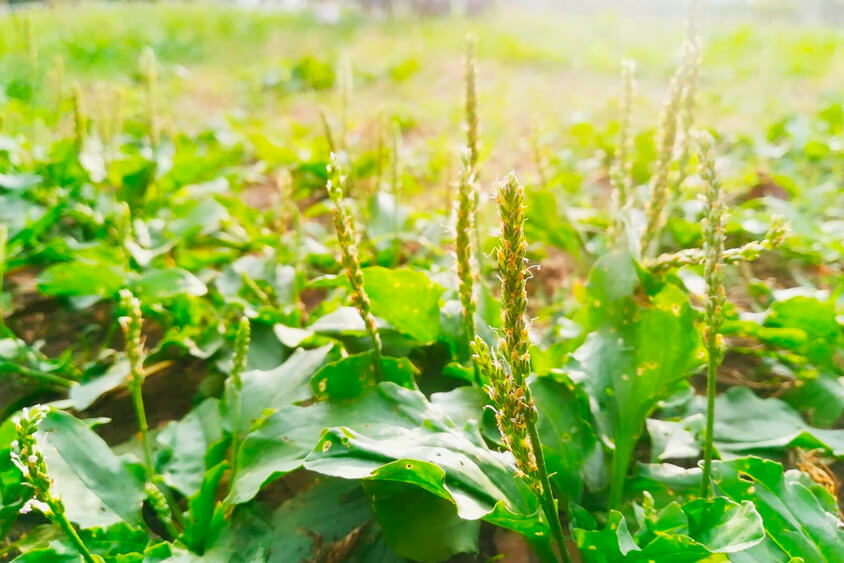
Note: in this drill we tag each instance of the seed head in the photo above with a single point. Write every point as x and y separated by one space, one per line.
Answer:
621 173
131 323
512 409
713 242
346 236
513 272
667 138
465 224
80 121
471 101
241 351
148 66
26 454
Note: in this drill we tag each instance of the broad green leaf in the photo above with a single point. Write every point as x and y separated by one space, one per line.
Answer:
207 517
675 439
81 278
800 516
119 543
12 492
567 438
183 447
407 299
279 387
392 433
700 530
84 395
309 523
610 544
723 526
348 377
97 487
637 355
815 319
744 422
449 462
155 285
437 532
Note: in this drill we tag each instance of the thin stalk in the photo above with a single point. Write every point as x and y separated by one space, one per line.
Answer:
713 247
395 186
326 130
26 455
347 237
143 426
4 237
618 472
149 71
515 341
44 376
235 389
73 535
131 325
471 109
711 381
549 504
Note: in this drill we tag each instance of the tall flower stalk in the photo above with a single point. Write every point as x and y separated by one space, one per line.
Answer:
396 187
234 390
27 457
347 237
4 238
621 173
465 223
132 323
472 142
509 392
686 117
149 72
748 252
713 248
471 100
80 121
667 137
345 83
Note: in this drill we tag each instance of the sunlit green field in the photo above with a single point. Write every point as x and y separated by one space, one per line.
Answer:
275 288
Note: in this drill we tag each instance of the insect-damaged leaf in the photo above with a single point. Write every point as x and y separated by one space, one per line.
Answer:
394 434
641 348
407 299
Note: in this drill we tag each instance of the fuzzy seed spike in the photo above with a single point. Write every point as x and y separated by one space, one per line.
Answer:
513 271
465 224
80 121
148 65
26 455
713 247
471 100
621 173
347 237
667 138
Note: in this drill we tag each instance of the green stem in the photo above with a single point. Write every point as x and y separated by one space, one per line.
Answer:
72 535
44 376
135 387
236 415
711 380
549 504
376 354
143 426
4 236
620 463
158 481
